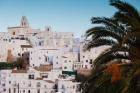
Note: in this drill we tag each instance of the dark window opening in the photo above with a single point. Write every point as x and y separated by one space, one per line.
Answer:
31 76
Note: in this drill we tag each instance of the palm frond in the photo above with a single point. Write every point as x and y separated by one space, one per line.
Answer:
98 32
126 19
125 7
110 55
109 23
99 42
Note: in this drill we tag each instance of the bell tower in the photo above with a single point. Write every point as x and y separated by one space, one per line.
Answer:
24 22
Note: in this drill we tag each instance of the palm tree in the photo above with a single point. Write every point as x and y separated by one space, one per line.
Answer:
110 33
129 16
121 33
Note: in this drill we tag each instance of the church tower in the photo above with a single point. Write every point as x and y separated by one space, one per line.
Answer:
24 22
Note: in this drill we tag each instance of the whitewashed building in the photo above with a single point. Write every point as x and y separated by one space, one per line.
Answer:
68 86
54 60
87 57
26 81
36 81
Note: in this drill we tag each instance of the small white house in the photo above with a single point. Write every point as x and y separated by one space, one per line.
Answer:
68 86
25 81
42 56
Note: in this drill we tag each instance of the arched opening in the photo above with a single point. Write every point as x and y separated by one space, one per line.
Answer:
38 91
9 90
29 91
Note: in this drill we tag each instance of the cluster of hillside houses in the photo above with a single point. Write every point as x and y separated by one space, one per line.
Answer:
53 60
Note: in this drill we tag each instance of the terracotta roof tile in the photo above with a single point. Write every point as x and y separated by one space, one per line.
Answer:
39 78
19 71
44 68
49 81
26 46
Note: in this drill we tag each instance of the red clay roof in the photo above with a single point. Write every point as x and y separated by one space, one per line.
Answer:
44 68
49 81
26 46
19 71
39 78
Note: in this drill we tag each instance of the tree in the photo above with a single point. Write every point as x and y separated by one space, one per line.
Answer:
110 33
121 33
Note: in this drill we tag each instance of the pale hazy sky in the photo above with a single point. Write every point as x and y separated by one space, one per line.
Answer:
62 15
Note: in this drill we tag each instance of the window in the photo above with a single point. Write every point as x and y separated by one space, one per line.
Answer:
63 87
45 76
3 85
39 57
38 91
86 66
73 87
9 90
39 43
14 33
29 85
90 61
65 67
14 90
23 91
65 61
19 54
45 86
29 91
46 59
4 89
9 82
86 60
31 76
72 35
38 84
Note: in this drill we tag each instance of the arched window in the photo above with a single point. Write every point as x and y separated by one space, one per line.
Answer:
38 91
9 90
23 91
29 91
